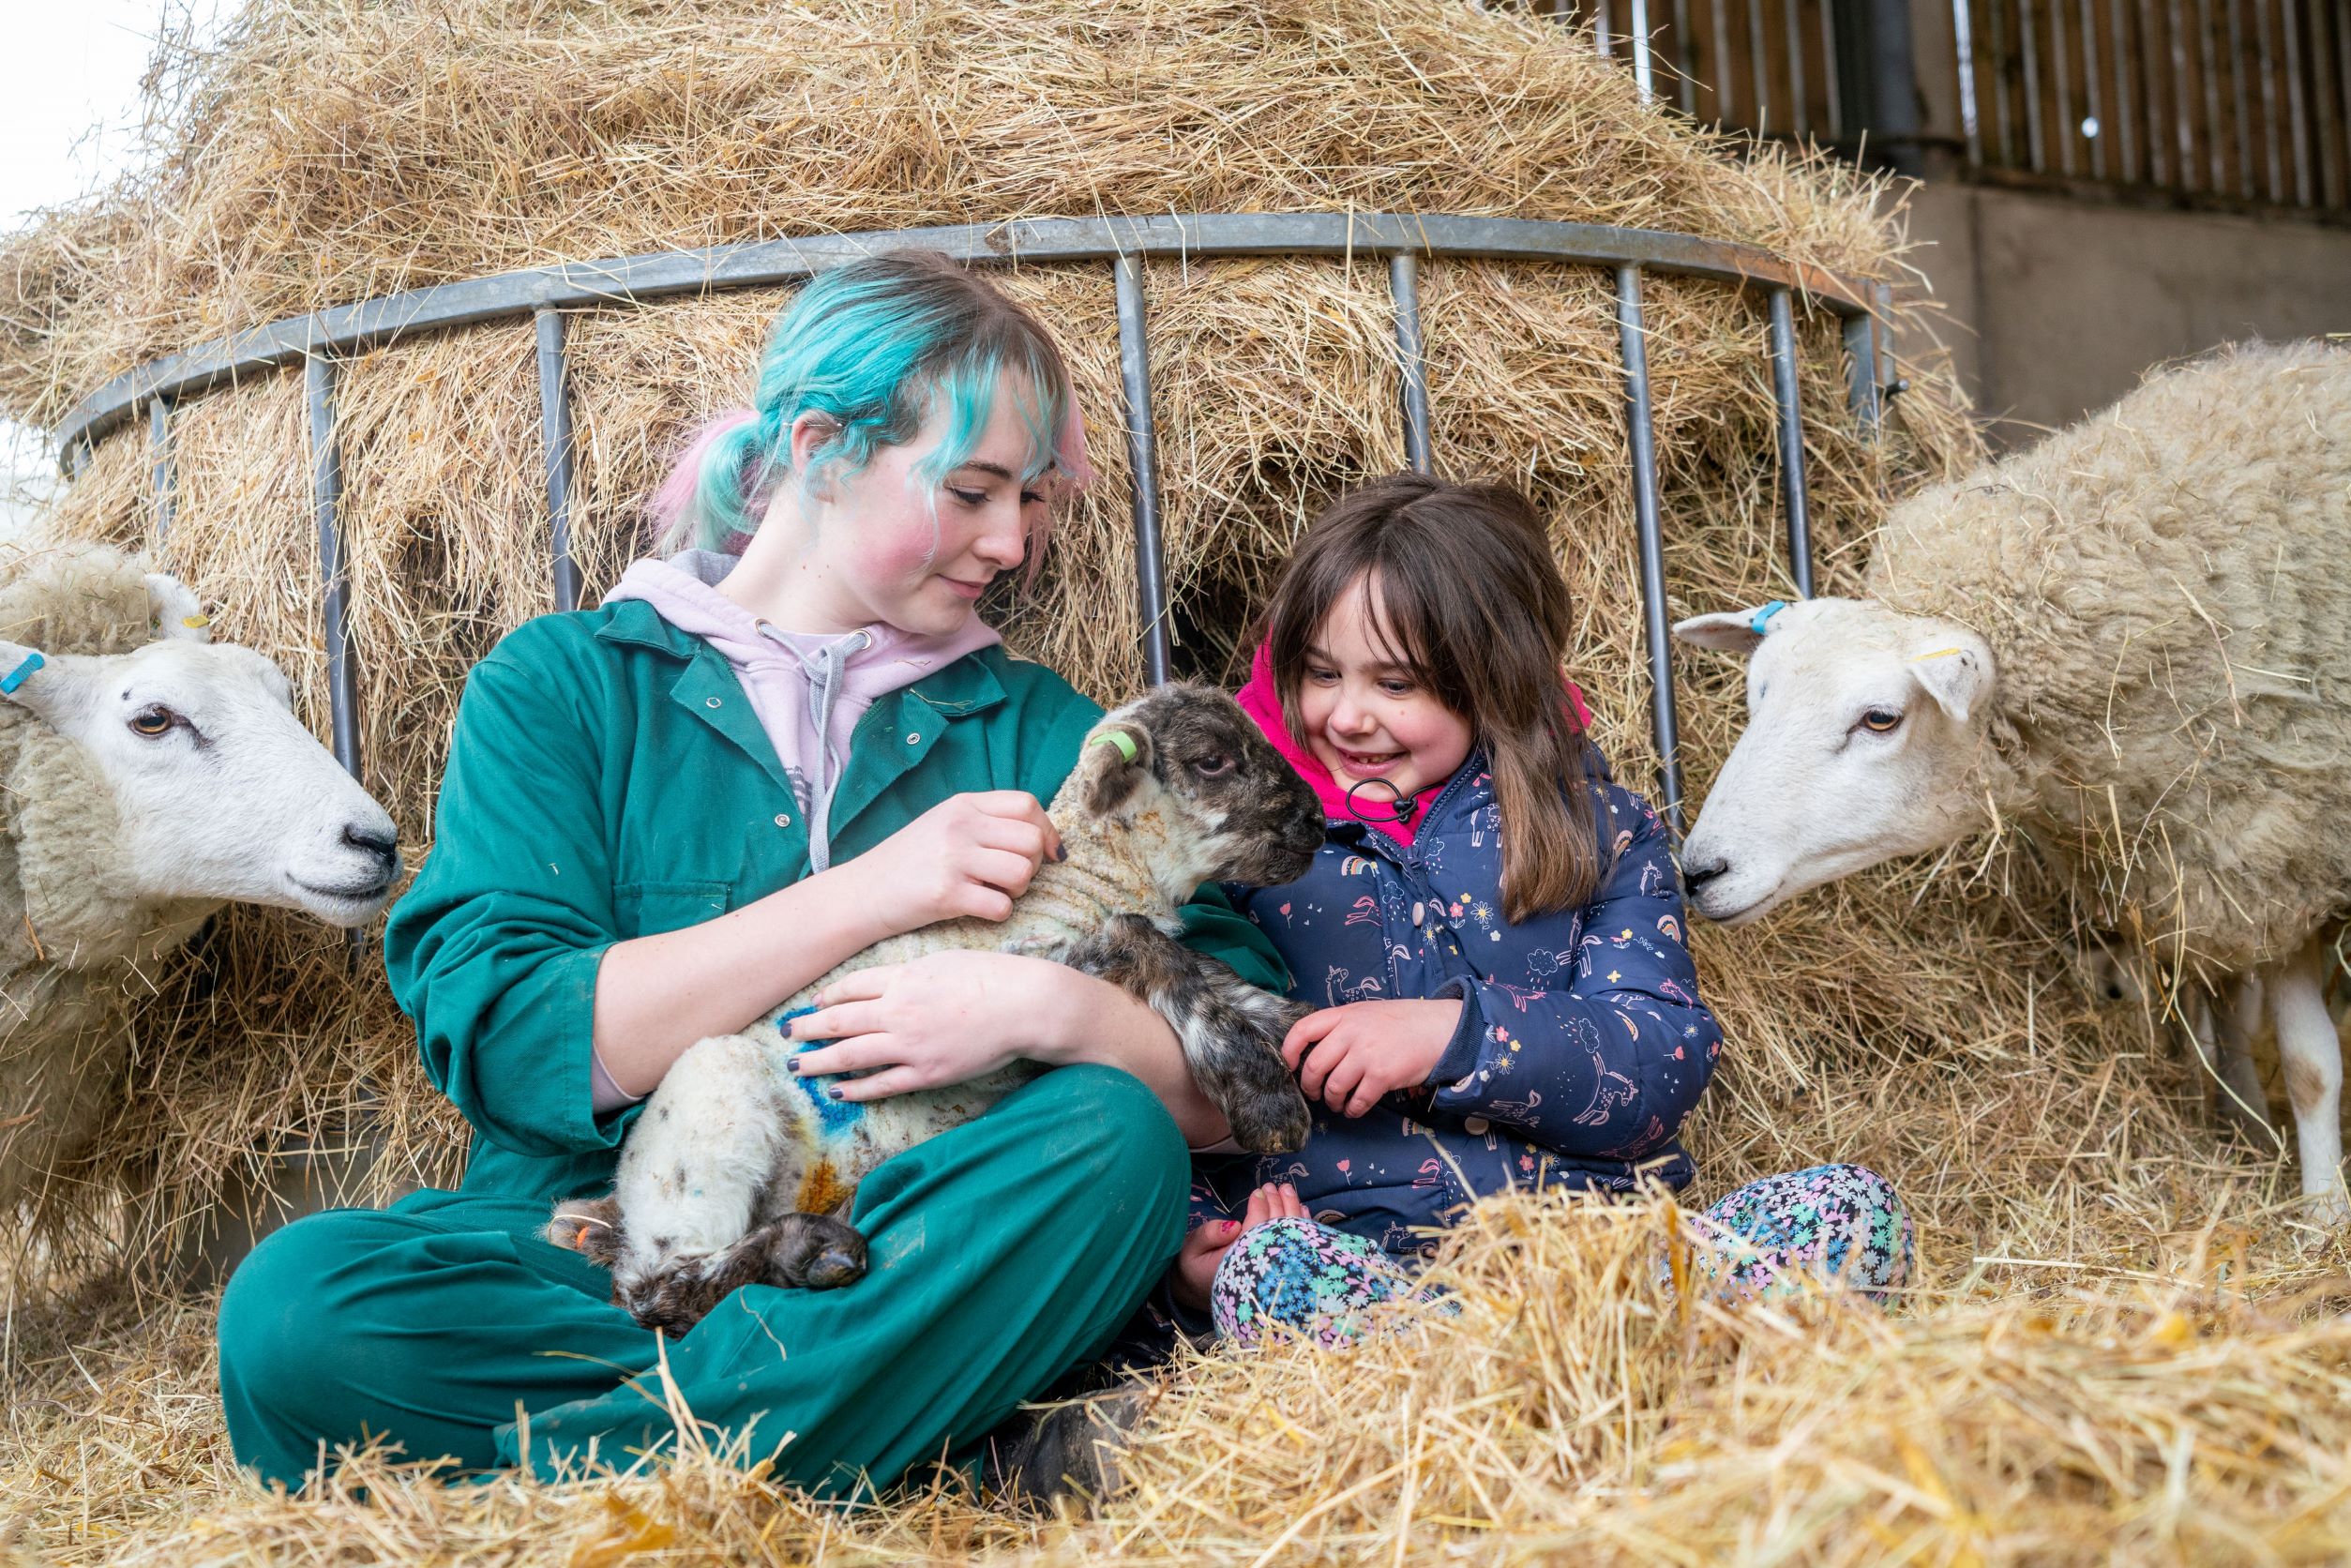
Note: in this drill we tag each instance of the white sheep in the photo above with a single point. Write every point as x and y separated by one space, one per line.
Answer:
2130 643
147 777
736 1170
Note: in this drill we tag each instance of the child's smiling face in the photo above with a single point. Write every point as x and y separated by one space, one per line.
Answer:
1366 713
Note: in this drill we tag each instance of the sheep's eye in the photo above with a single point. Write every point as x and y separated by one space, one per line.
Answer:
1213 768
1878 721
152 722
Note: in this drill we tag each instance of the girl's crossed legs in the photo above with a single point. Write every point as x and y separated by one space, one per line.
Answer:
1841 1222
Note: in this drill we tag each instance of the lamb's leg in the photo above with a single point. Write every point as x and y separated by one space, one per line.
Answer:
2312 1055
701 1153
2243 1101
1230 1030
812 1252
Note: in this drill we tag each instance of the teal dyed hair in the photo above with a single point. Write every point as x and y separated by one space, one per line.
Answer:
874 346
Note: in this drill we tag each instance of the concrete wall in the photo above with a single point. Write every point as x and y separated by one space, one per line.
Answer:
2053 307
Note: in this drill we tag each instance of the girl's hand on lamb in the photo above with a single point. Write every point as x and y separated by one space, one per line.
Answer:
1350 1057
969 855
946 1017
1194 1268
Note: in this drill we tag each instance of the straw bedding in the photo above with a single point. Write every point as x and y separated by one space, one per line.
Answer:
2123 1346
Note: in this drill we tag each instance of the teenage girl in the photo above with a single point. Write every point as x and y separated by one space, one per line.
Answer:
1492 931
664 815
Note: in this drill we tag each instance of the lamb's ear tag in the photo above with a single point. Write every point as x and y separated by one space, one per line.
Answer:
1760 622
22 673
195 623
1119 738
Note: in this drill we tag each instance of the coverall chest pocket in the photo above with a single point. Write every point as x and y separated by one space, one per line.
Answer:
649 908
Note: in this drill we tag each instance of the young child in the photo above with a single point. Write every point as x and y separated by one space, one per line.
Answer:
1493 930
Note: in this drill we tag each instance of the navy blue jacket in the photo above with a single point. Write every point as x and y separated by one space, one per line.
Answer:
1582 1044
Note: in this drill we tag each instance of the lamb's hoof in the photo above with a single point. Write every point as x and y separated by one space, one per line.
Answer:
1270 1121
817 1252
673 1301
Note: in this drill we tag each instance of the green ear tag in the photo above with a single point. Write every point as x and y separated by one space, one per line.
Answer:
1119 738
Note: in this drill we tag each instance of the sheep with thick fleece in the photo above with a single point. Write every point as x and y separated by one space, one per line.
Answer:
737 1169
2130 643
147 777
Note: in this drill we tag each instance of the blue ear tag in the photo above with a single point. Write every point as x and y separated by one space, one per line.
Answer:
22 673
1760 622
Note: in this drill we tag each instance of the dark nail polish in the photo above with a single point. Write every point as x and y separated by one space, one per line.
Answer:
1061 853
834 1092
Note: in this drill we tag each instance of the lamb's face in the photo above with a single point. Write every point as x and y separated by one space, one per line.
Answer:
1863 727
1236 811
221 792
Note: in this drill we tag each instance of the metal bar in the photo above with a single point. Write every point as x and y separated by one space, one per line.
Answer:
1800 113
1864 396
1831 78
1785 385
2205 37
582 285
1642 443
1685 89
2153 95
2094 129
159 454
1758 67
2032 85
2298 119
1403 285
1999 84
1603 29
2330 112
1142 451
1721 63
2126 120
555 433
1643 73
2273 149
2183 114
1963 25
2062 78
2243 124
327 497
2342 25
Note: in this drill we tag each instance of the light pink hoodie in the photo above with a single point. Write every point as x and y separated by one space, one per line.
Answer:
808 690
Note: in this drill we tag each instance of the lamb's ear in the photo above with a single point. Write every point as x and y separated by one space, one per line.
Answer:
1112 765
177 610
47 685
1730 631
1955 668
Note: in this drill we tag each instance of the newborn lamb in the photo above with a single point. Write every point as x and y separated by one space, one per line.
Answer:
739 1171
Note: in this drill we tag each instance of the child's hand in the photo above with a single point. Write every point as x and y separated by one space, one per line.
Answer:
1195 1267
1349 1057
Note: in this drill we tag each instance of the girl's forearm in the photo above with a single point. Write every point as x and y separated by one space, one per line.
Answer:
657 995
1102 1024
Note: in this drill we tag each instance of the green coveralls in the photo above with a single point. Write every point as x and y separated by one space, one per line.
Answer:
608 779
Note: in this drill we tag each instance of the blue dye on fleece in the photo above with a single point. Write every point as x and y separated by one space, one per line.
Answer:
835 1116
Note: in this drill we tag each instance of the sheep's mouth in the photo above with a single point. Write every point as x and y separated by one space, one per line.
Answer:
359 899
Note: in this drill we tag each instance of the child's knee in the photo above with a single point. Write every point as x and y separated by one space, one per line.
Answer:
1307 1278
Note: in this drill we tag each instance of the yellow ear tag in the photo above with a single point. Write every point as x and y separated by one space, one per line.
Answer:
1939 652
1119 738
195 623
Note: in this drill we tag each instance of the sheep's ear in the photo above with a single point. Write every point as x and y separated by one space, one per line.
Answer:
42 684
1112 764
178 613
1955 668
1730 631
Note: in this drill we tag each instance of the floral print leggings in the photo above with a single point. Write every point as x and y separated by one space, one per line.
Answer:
1838 1220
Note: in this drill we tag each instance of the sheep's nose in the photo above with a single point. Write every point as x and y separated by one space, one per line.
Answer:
1694 878
386 847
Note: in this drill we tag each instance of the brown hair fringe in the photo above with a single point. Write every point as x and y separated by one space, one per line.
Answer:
1467 582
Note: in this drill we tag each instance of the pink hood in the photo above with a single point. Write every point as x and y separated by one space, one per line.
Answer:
1261 701
808 689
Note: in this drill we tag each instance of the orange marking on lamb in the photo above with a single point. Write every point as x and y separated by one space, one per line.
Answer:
822 1190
